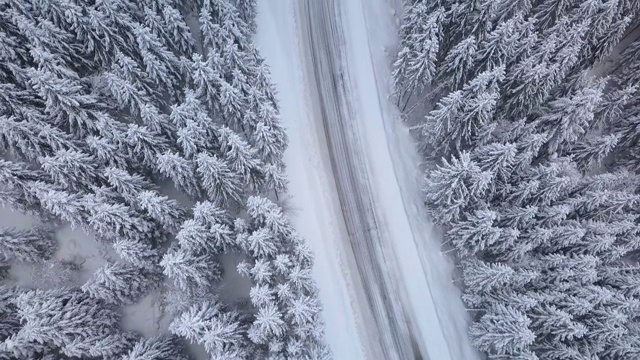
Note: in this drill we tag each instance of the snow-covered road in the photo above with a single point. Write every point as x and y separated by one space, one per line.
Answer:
353 172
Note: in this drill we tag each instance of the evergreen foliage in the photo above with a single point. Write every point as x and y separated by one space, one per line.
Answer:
105 107
530 140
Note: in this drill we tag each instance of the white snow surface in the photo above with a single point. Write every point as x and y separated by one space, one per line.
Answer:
409 249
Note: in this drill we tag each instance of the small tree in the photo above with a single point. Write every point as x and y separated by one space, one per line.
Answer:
61 316
218 179
26 245
483 277
181 171
157 348
190 271
138 253
218 329
502 331
121 283
167 212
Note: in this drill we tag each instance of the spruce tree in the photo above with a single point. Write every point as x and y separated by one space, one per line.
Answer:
121 283
26 245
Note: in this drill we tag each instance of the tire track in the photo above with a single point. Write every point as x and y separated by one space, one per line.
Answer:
325 43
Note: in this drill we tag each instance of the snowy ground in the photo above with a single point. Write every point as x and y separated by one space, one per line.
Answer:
355 182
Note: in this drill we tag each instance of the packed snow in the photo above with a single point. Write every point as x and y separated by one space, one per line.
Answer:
409 251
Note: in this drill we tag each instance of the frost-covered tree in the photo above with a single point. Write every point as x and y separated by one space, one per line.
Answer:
126 184
502 331
113 220
198 237
190 271
265 213
268 323
220 330
459 62
241 157
157 348
60 318
453 185
567 119
248 12
218 178
66 206
460 116
139 253
167 212
26 245
121 283
181 171
103 345
415 65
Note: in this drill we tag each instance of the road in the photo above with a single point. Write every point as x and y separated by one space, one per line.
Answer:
326 43
355 183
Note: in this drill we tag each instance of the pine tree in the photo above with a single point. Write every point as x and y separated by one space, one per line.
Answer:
112 220
145 145
167 212
219 330
10 322
567 119
220 182
196 237
181 172
104 345
265 213
268 323
502 331
416 63
467 113
484 277
138 253
66 206
121 283
476 233
261 243
163 347
190 271
248 12
26 245
548 320
509 42
71 169
302 310
107 152
61 316
241 157
459 62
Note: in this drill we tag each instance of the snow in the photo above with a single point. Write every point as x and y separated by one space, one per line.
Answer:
74 246
317 214
146 316
410 249
234 286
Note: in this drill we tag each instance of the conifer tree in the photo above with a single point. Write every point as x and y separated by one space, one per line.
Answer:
181 171
502 331
219 180
416 63
138 253
121 283
59 317
26 245
157 348
219 330
190 271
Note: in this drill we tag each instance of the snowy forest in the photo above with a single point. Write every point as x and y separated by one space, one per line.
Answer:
527 113
153 126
